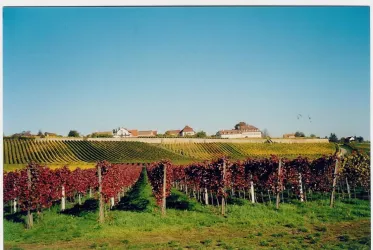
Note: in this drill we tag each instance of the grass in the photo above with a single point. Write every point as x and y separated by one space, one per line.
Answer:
136 223
365 147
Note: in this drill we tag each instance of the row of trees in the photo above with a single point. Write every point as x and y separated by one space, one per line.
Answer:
334 138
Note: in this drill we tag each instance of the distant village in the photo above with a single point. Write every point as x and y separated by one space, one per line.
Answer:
240 130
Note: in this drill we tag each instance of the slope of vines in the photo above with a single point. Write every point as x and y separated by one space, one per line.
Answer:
63 152
207 151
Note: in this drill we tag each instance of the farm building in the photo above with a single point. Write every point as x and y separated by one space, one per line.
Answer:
47 134
147 133
289 136
187 131
349 139
121 132
242 130
134 132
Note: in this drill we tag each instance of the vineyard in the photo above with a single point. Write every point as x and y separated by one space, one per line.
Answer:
37 187
24 151
208 151
75 152
274 183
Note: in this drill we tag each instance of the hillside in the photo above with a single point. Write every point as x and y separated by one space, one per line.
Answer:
69 152
23 151
245 150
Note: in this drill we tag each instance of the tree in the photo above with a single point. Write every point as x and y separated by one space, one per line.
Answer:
360 139
265 133
73 133
40 133
299 134
342 140
312 135
333 138
201 134
239 125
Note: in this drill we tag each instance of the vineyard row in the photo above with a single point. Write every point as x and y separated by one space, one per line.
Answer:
36 188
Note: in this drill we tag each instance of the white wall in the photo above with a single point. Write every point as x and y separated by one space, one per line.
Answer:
187 140
252 134
187 133
243 135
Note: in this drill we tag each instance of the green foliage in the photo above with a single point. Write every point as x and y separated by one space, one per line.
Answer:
333 138
73 133
299 134
101 135
201 134
356 169
360 139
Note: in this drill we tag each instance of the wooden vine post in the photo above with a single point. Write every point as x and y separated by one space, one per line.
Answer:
278 186
252 190
348 189
223 197
206 196
164 190
29 219
63 198
101 200
15 205
301 188
334 183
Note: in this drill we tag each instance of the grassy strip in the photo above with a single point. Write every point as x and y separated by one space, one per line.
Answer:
140 198
312 225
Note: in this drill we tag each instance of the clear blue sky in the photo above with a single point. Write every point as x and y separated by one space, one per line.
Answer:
95 69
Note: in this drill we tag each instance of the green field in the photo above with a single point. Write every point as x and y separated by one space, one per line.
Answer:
17 153
365 147
136 223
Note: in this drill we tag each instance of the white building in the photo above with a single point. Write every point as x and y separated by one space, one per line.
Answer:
121 132
242 131
187 131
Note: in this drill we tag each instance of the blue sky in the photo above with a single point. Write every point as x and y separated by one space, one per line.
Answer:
95 69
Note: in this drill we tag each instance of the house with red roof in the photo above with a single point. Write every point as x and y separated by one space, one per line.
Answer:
242 130
187 131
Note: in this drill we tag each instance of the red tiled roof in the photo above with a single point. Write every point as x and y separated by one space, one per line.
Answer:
229 132
187 129
134 132
147 133
246 128
172 132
